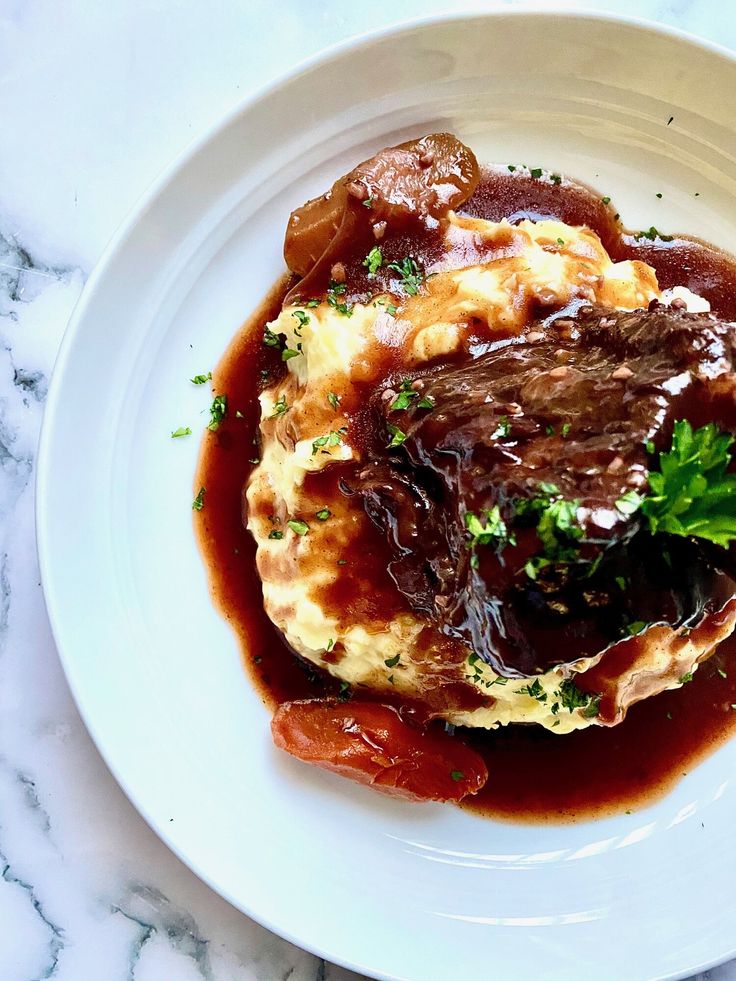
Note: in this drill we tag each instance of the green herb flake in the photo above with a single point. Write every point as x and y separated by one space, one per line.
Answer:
198 502
334 291
270 339
374 260
606 200
457 775
503 429
536 172
276 535
565 431
688 676
629 503
391 309
334 400
368 203
181 431
652 234
493 532
218 410
201 379
323 514
391 662
298 526
636 627
280 407
289 353
512 168
555 178
658 194
534 690
344 693
331 439
721 672
560 241
397 436
342 561
410 275
571 698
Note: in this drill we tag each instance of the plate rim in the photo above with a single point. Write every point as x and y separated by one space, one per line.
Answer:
116 244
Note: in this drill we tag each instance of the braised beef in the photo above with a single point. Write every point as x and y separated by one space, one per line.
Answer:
574 415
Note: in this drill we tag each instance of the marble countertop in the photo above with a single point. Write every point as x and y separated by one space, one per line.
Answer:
96 99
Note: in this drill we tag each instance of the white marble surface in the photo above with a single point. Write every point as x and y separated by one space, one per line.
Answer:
95 99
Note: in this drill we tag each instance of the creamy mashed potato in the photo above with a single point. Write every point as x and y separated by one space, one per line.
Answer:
304 430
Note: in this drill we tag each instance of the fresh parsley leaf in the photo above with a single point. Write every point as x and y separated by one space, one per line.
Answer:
276 535
391 309
560 241
397 436
629 503
409 273
457 775
503 429
391 662
536 172
323 514
270 339
374 260
334 291
289 353
334 400
198 502
636 627
688 676
201 379
280 407
298 527
406 398
217 412
511 168
652 234
331 439
571 697
692 494
344 693
368 203
493 532
534 690
606 200
301 317
565 431
181 431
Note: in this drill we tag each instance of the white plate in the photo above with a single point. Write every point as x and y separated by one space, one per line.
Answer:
419 892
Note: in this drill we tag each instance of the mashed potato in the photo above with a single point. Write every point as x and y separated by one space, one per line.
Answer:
305 430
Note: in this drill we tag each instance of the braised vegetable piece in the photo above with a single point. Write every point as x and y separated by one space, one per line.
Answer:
370 744
419 180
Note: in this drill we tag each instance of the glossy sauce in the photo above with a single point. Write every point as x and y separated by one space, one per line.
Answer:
535 775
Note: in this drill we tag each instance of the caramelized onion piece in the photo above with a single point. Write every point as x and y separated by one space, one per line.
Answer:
370 744
419 180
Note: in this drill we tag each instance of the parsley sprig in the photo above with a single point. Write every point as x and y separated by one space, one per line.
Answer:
692 494
410 274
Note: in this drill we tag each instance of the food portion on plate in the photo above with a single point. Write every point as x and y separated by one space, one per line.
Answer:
494 478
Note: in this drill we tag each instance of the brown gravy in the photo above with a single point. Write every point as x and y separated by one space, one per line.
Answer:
535 775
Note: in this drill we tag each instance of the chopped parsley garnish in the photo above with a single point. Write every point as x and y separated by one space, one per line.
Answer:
555 178
333 399
368 203
391 309
721 672
298 527
629 503
201 379
323 514
652 234
330 644
334 291
512 168
374 260
571 697
503 428
558 520
280 407
560 241
254 460
276 535
331 439
311 304
457 775
289 353
217 412
301 318
181 431
406 397
566 427
636 627
536 172
342 561
397 436
344 693
410 274
534 690
391 662
493 532
658 194
198 502
606 200
688 676
692 494
270 339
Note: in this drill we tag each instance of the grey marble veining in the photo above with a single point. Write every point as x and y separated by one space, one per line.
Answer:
92 106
